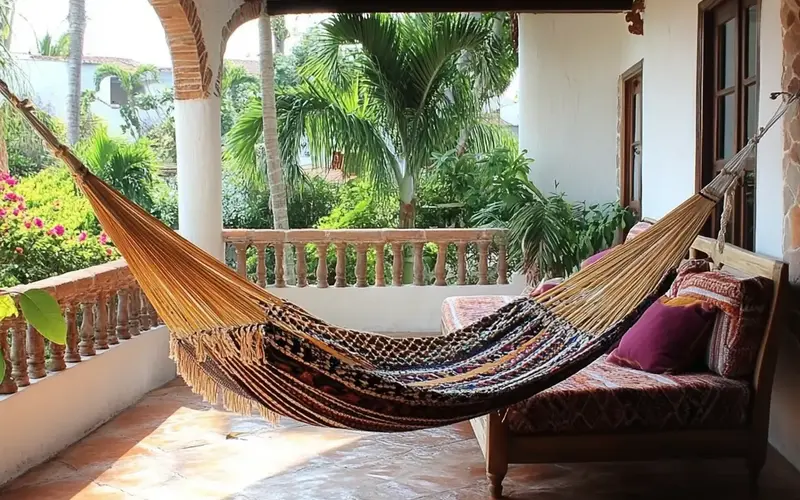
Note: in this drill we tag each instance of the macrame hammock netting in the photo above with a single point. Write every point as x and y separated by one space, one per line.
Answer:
236 343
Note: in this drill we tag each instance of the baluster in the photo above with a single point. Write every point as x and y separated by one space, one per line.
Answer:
341 264
241 258
101 321
441 261
322 265
280 281
502 264
462 262
86 346
7 386
19 357
261 264
361 264
483 262
144 314
134 303
154 319
56 363
397 264
302 271
111 323
72 355
35 350
419 275
122 315
380 263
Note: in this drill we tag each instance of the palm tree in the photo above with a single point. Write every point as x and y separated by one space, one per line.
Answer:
7 10
134 83
77 26
49 46
277 188
237 89
128 167
386 92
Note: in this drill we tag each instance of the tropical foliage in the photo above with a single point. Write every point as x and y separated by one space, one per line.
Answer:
50 46
128 167
383 93
134 82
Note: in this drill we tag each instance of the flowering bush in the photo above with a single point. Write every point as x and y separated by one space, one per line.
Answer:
34 246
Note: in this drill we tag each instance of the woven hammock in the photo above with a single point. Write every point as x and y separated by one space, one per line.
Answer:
236 343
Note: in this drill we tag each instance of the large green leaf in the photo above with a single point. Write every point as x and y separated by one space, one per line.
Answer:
7 307
2 368
43 312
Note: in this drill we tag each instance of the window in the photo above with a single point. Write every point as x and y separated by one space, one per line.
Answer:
728 104
117 95
631 147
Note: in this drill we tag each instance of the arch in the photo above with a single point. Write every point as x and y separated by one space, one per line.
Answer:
185 39
249 10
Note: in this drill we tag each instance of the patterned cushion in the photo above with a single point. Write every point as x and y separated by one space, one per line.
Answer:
607 398
636 230
458 312
739 328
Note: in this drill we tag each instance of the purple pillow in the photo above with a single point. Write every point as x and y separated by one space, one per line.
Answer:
594 258
670 337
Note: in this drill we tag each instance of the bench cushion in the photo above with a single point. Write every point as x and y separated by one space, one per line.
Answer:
604 397
608 398
458 312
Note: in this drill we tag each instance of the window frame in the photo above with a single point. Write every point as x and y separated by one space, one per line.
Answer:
712 15
631 83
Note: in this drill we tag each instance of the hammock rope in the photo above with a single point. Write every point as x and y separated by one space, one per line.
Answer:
238 344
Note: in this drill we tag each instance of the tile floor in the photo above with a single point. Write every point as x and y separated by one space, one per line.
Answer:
172 446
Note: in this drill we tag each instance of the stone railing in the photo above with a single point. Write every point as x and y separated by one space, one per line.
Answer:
449 251
102 306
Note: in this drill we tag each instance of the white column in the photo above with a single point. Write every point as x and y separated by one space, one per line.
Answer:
198 137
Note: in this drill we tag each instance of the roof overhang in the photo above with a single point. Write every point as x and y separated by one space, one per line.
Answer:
281 7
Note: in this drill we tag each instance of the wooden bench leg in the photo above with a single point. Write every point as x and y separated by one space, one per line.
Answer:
496 454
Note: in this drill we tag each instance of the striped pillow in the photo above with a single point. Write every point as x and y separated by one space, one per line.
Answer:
744 303
637 229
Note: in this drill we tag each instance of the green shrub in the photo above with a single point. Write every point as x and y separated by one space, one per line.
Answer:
36 243
27 153
52 196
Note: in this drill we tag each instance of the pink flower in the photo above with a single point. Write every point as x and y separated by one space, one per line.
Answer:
59 230
38 222
109 251
82 236
27 224
21 206
103 238
15 212
11 196
2 213
18 250
11 181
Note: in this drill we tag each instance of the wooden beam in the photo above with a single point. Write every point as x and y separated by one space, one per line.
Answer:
281 7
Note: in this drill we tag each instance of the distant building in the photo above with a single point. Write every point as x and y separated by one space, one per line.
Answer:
45 80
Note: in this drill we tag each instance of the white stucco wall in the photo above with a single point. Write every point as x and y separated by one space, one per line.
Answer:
406 309
58 410
568 107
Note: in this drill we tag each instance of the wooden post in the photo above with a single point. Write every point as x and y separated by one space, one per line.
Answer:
72 354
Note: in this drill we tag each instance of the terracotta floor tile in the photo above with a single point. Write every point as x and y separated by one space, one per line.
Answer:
174 446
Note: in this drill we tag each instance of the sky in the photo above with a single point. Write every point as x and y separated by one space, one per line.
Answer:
127 28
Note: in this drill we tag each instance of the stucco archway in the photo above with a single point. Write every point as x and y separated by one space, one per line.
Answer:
185 39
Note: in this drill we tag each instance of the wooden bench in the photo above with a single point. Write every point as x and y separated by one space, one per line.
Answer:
501 446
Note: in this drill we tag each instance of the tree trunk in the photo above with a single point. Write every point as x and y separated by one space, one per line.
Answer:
407 202
4 167
77 26
281 34
277 188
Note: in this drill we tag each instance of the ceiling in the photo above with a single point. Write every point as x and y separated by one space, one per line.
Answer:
280 7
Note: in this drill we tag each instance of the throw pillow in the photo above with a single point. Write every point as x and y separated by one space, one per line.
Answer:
744 302
670 337
594 258
636 230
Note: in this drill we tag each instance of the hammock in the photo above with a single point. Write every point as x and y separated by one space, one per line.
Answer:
235 342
